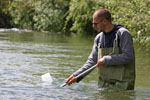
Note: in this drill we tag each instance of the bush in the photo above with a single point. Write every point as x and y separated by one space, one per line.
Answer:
132 14
43 15
76 15
22 13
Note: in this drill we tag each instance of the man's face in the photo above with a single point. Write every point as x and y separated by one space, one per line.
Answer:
98 24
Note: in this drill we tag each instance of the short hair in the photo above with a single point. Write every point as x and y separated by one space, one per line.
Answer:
103 13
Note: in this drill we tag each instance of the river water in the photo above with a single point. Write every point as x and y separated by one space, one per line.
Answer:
26 55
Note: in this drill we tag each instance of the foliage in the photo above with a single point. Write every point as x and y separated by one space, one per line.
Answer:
132 14
50 14
4 15
42 15
76 15
21 12
80 13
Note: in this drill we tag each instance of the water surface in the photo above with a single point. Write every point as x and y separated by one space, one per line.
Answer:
26 55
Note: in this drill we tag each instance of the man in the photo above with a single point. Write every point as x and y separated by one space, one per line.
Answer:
112 52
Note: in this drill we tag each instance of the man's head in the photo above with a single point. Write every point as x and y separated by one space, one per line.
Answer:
102 20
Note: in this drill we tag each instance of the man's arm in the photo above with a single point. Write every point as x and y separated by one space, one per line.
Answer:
92 60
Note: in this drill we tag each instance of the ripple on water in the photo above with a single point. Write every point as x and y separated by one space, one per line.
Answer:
24 58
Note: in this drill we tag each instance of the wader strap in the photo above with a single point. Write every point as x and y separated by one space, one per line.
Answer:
115 44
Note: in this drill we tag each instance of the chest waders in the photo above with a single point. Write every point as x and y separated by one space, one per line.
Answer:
115 76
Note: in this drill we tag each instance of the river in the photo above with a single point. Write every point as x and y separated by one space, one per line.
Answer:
26 55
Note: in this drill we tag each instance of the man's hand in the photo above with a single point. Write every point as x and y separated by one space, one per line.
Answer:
71 80
100 62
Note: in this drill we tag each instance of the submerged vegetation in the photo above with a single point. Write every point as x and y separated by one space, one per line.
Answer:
76 15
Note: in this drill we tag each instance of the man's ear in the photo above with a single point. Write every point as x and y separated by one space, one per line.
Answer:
105 21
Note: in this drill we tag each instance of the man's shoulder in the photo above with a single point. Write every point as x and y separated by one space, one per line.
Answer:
98 36
123 31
